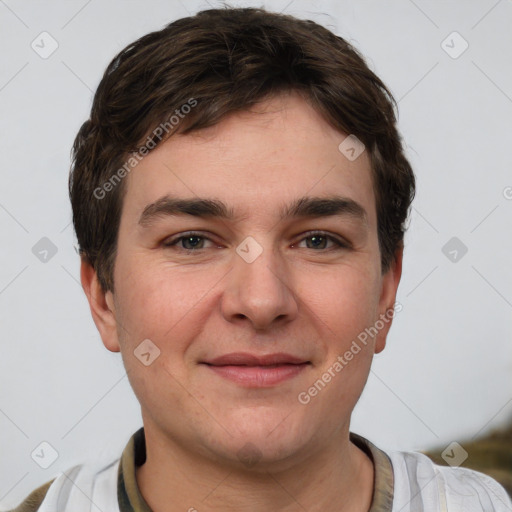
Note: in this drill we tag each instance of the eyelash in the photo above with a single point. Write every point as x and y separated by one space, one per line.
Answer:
340 245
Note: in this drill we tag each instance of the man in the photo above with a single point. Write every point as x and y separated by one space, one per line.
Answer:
239 197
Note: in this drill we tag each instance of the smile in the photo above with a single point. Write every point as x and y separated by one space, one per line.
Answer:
257 371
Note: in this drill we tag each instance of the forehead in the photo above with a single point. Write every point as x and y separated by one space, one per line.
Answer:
254 161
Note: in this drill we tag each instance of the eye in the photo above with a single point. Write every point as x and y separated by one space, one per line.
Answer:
319 239
189 242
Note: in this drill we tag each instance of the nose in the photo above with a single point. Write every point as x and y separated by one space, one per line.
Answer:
259 291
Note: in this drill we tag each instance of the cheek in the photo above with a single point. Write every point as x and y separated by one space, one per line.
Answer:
160 302
156 305
345 300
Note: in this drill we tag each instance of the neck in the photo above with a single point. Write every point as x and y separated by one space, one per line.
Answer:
338 478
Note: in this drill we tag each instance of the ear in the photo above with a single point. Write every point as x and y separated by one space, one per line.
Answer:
102 306
387 310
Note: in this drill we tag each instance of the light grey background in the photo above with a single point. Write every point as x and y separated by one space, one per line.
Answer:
446 372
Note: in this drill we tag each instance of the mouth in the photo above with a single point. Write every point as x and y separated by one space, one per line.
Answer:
255 371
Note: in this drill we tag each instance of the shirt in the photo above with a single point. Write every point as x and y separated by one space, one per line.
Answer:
403 482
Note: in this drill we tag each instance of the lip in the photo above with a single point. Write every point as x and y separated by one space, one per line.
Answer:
255 371
247 359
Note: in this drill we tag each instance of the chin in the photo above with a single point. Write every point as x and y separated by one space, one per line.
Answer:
266 440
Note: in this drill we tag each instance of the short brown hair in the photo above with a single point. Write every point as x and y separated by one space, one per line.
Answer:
226 60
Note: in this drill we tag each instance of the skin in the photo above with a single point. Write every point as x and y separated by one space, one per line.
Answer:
294 297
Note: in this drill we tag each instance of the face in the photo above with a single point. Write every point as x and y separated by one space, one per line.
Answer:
252 300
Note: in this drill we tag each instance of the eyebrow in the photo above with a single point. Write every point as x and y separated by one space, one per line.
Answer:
304 207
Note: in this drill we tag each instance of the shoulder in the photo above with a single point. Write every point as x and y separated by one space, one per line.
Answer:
420 484
33 501
75 489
